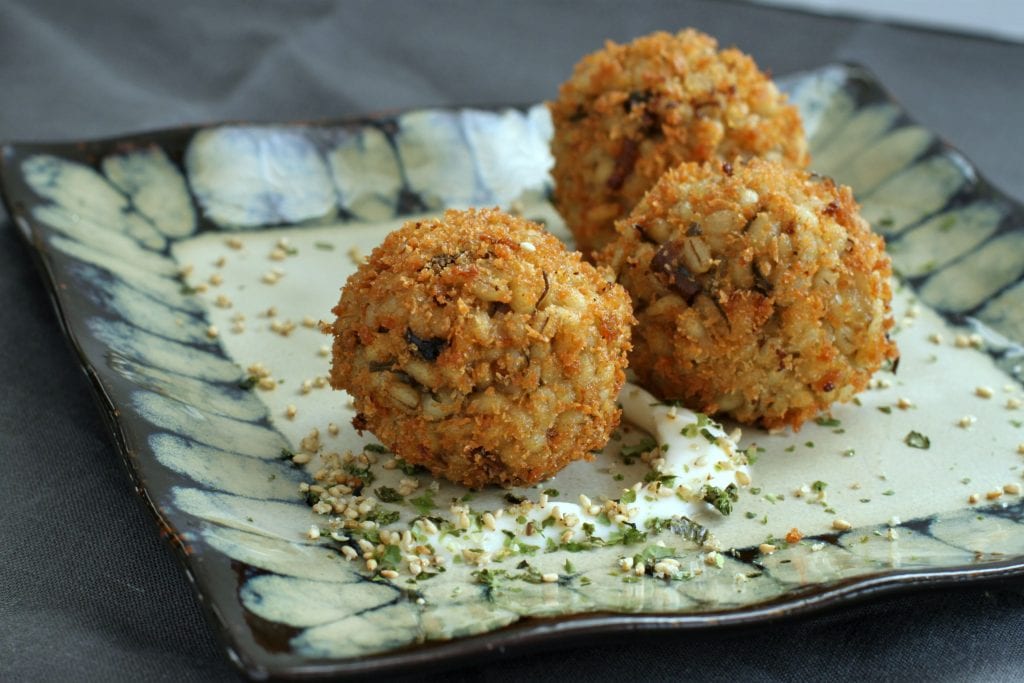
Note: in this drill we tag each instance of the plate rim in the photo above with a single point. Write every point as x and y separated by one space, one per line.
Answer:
528 632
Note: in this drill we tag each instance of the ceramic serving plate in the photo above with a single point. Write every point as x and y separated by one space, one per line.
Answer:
189 268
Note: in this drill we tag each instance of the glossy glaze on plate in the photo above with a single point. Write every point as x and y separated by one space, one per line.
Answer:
114 222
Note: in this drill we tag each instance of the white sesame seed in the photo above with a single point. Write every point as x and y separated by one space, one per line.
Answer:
1013 403
640 569
1011 489
1020 449
308 322
527 246
488 519
626 563
212 332
585 502
543 500
238 327
313 533
234 243
742 478
904 403
935 338
278 254
973 498
270 278
983 392
766 548
186 270
967 421
389 573
349 552
291 411
550 577
301 458
892 534
216 279
222 301
324 351
894 521
371 565
332 429
975 340
841 525
994 494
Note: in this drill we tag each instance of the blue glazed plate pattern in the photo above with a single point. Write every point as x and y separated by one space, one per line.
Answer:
161 250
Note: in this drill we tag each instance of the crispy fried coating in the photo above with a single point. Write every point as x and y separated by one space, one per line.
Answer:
760 292
631 112
477 346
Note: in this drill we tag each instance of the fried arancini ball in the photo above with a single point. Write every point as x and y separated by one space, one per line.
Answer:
759 291
631 112
479 347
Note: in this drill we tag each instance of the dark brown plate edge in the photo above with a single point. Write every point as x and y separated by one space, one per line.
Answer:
535 633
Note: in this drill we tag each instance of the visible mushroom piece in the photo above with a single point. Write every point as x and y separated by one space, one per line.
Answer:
668 261
429 349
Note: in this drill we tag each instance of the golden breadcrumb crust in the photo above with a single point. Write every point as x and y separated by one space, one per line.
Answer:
478 347
759 291
630 112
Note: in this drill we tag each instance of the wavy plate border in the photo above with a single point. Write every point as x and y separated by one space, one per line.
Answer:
213 574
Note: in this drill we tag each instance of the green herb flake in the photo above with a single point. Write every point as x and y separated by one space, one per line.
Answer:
384 517
569 569
885 409
827 421
551 492
819 486
386 494
917 440
375 448
849 453
324 246
249 382
423 504
720 499
629 496
888 492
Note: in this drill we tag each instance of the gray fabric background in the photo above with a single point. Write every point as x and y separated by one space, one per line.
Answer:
88 591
